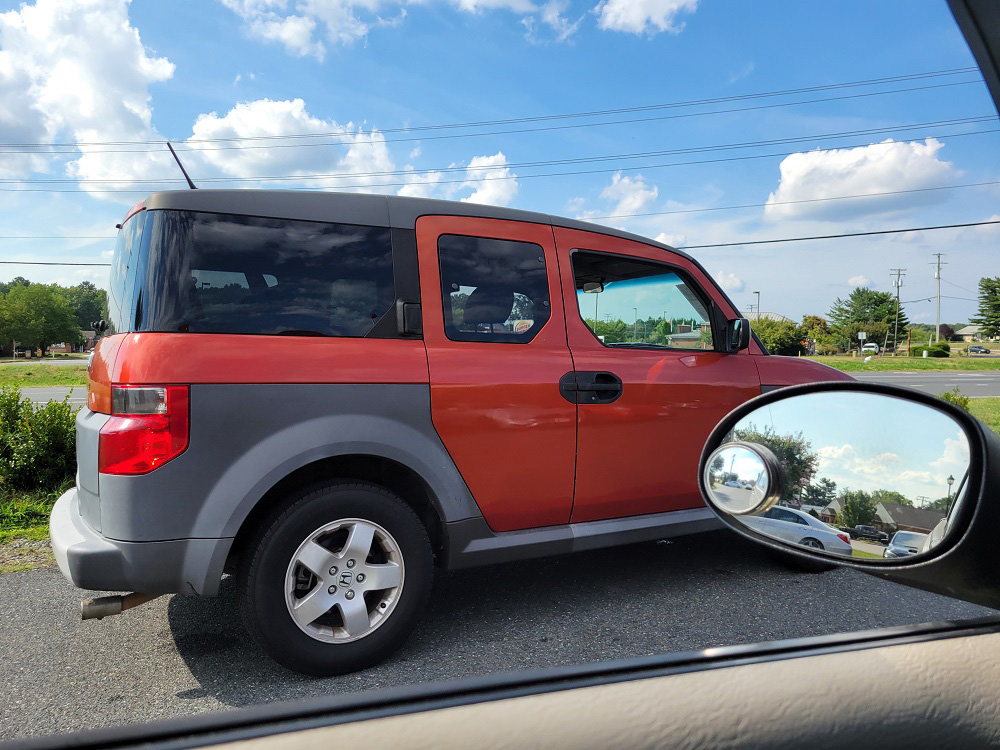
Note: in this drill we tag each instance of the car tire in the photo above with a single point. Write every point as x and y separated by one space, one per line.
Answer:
799 564
311 583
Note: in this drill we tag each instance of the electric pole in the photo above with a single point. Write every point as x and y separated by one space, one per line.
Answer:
897 282
937 275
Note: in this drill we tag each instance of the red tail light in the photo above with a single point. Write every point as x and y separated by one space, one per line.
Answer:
148 427
844 538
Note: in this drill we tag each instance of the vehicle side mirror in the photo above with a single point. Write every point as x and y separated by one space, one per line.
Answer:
100 326
737 335
888 480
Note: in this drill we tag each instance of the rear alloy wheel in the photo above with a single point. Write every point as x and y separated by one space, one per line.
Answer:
812 543
338 580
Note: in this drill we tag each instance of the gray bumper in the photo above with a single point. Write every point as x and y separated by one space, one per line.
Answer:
91 561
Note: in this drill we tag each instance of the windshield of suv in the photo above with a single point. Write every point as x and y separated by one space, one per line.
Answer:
830 173
911 538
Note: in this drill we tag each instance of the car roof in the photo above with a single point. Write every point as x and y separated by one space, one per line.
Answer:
362 208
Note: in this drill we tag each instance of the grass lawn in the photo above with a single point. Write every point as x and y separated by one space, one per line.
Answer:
862 553
24 529
27 376
987 410
908 364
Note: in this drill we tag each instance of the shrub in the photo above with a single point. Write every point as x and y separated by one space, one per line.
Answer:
37 443
955 397
932 351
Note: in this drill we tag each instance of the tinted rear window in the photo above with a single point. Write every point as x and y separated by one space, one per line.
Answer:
220 273
123 268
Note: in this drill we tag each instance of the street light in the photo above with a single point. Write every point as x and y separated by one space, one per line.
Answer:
635 326
951 481
758 303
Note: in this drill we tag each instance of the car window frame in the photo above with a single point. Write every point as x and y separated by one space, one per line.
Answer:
685 277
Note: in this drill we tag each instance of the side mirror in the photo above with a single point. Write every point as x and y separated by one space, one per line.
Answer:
888 480
737 335
99 325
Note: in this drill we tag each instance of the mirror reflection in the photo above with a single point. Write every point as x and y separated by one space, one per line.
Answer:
858 475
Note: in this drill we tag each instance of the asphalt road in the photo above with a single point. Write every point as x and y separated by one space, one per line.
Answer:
180 655
975 383
77 394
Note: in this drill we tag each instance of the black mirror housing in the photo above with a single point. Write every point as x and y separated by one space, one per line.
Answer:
964 565
737 335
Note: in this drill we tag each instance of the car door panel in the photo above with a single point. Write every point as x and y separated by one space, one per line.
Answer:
497 405
639 453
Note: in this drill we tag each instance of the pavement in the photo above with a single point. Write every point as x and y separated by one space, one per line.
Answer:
183 655
77 394
974 383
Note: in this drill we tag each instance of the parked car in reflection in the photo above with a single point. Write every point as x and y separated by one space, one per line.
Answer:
905 543
797 527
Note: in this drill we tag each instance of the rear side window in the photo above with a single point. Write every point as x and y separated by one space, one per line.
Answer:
123 270
221 273
492 290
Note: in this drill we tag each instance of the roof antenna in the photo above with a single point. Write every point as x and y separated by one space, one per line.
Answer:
183 171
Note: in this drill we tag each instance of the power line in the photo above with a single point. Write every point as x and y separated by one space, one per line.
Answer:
47 263
802 200
549 162
352 140
647 213
541 118
687 247
845 234
466 180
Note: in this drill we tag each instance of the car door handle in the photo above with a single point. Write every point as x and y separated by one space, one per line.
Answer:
590 387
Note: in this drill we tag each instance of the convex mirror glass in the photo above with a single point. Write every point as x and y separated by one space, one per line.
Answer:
846 473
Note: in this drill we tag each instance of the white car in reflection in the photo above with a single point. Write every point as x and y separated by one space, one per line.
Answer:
796 527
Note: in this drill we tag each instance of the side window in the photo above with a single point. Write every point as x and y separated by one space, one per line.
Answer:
492 290
122 279
784 515
632 303
220 273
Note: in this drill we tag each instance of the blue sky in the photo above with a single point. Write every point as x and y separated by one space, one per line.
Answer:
372 72
883 443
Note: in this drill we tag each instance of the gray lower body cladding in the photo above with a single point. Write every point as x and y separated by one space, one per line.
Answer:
171 530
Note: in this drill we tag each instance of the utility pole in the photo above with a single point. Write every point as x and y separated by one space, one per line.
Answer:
937 275
635 328
758 303
897 282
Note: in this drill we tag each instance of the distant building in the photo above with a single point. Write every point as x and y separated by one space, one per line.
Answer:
906 517
973 333
752 316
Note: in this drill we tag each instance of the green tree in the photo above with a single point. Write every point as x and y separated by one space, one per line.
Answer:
614 331
942 504
988 315
794 453
867 310
814 326
821 493
779 336
857 507
87 303
891 496
36 316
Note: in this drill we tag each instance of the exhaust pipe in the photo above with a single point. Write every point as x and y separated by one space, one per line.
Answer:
107 606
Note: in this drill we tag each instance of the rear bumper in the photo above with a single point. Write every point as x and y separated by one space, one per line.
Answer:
91 561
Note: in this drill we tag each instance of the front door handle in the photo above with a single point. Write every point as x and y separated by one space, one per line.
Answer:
590 387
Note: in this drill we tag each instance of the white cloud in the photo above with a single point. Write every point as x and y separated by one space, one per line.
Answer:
302 25
643 16
76 70
877 168
729 281
421 185
487 176
630 194
358 154
674 240
859 280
